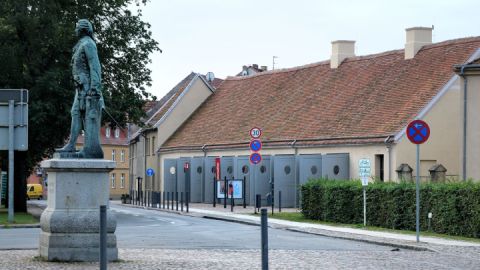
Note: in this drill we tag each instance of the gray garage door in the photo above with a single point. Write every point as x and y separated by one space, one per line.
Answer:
170 175
226 165
284 176
242 169
182 185
262 177
209 174
196 177
336 166
310 166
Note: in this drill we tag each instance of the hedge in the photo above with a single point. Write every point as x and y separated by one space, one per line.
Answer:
455 206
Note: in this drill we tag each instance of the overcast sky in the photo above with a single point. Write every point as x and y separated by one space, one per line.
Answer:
223 35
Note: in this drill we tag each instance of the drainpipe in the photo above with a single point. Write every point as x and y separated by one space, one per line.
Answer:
464 150
292 144
144 160
388 143
204 150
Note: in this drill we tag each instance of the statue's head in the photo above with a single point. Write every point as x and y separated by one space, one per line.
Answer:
83 27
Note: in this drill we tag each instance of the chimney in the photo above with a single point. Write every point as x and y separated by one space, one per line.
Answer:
264 68
341 49
255 66
417 37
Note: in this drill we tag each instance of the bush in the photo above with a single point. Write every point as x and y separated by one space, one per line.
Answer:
455 206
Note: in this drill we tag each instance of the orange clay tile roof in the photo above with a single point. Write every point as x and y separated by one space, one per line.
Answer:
364 100
104 140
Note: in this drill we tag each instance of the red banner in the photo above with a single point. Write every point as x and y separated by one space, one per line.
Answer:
217 168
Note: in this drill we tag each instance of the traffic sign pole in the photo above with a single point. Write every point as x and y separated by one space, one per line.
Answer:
418 195
364 207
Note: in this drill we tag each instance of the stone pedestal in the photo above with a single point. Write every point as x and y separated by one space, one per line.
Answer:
71 222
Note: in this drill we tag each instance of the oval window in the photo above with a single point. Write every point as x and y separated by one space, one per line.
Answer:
229 169
172 170
336 170
263 169
314 170
287 170
214 170
199 169
245 169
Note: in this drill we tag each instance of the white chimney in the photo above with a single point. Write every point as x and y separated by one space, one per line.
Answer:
341 49
417 37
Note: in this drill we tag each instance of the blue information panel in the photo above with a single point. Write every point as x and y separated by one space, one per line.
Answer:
150 172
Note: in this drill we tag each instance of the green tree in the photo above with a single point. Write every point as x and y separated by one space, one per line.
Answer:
36 40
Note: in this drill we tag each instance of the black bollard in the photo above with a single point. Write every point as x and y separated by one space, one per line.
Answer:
279 201
176 201
103 237
225 191
244 192
173 199
188 200
264 230
163 199
181 200
168 200
258 202
214 192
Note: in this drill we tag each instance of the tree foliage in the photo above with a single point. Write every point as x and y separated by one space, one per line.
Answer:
36 41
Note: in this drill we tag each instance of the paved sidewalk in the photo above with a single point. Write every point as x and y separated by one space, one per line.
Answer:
385 238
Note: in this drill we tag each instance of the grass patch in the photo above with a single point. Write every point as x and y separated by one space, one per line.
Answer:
298 217
18 218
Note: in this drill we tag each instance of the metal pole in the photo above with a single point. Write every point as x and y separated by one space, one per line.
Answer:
163 199
279 201
176 201
11 116
364 207
225 186
214 192
417 225
244 192
103 237
188 200
264 225
168 201
181 200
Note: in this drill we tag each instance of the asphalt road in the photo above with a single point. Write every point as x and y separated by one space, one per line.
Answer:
140 228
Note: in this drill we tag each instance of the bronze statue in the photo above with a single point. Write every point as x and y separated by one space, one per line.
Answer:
88 103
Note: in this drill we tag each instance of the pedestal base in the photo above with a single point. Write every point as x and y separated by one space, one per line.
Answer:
71 223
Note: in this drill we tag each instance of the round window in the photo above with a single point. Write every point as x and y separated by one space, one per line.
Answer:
336 170
263 169
245 169
199 169
229 169
172 170
214 170
287 170
314 170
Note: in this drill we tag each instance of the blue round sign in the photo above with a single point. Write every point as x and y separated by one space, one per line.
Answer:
150 172
418 131
255 158
255 145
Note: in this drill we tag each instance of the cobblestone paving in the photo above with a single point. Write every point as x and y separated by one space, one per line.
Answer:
444 258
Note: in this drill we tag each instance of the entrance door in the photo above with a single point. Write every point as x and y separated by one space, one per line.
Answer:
209 175
242 169
263 176
169 175
284 180
196 173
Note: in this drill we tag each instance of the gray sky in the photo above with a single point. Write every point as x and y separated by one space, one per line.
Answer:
223 35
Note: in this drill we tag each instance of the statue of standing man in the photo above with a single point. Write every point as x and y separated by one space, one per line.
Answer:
88 103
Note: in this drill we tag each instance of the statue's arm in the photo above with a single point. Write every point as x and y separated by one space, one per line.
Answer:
95 69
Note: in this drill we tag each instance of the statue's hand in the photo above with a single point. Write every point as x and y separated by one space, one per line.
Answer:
92 92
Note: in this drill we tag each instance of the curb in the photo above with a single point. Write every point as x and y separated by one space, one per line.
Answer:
20 226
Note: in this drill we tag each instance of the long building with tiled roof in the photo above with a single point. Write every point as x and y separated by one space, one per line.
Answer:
343 119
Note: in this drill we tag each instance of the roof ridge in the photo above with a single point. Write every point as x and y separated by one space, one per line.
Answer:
358 58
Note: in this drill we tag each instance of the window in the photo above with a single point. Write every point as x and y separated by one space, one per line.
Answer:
117 132
336 169
122 180
122 156
113 180
107 132
147 148
314 170
113 154
287 170
245 169
379 167
263 169
153 145
199 169
229 169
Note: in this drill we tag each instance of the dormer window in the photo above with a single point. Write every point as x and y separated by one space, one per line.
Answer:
107 132
117 132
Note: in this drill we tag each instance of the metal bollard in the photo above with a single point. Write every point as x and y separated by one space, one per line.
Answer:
264 229
279 201
173 199
188 200
168 200
225 192
176 201
103 237
181 200
232 203
258 202
163 205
